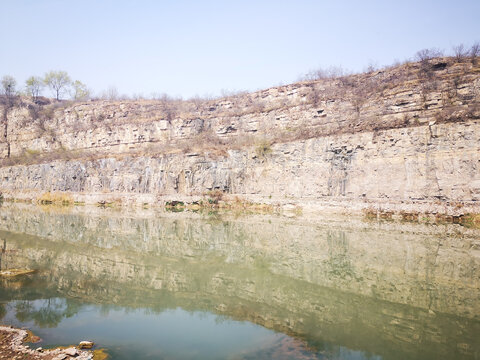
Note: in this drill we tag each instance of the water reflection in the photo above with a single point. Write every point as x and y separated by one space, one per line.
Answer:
394 291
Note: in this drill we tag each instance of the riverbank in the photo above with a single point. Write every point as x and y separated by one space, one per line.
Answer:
216 202
12 346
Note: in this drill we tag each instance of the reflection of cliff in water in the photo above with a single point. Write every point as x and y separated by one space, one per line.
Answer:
415 288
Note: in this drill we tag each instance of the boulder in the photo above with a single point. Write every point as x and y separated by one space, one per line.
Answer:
85 345
71 351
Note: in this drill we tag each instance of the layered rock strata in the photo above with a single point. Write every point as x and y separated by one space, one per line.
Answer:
403 139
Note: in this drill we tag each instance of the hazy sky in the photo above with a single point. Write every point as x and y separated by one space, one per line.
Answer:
201 47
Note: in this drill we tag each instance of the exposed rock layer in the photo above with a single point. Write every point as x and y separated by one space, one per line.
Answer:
398 139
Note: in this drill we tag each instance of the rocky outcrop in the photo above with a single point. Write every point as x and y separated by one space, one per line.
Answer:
12 347
398 139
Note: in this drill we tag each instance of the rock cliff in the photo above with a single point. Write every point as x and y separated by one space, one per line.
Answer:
405 138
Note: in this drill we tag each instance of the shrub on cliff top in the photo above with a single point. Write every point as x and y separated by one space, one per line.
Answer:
263 148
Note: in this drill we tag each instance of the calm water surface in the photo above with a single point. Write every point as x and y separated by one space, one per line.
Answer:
149 285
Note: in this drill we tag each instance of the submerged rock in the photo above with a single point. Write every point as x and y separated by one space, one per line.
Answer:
85 345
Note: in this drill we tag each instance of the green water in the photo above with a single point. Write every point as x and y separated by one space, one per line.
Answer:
148 285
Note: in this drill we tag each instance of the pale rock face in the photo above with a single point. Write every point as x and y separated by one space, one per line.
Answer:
394 166
399 148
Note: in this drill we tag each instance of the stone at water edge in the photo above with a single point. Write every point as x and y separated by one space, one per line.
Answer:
60 357
71 351
85 344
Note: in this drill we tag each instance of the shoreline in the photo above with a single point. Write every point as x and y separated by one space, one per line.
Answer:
429 212
12 344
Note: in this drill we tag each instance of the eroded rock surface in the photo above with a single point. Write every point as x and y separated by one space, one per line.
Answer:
396 139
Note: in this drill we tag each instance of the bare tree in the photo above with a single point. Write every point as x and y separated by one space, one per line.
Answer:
110 94
169 107
34 86
371 67
425 55
475 51
333 72
58 82
197 102
460 52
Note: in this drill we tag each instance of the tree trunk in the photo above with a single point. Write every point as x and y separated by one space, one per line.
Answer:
5 128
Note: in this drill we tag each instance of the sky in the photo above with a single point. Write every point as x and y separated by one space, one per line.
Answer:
205 48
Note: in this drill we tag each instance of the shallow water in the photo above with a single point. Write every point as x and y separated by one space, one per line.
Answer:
149 285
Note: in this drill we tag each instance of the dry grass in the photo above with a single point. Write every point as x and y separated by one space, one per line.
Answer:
57 198
217 200
214 196
263 148
31 338
409 216
29 156
471 220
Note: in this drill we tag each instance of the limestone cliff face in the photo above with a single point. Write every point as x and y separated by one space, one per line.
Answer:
401 139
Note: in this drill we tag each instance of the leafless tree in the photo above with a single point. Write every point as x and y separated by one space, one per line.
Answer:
475 51
169 107
138 96
371 67
426 55
197 102
110 94
460 52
